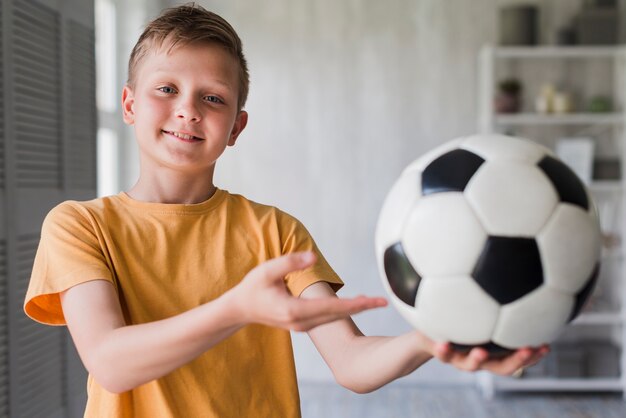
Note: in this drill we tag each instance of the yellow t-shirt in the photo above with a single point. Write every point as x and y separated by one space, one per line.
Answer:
164 259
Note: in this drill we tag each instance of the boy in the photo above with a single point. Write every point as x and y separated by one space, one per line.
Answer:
180 296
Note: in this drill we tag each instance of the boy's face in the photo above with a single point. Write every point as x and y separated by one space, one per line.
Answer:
184 106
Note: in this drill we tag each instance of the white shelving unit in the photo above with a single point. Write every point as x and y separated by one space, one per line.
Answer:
606 325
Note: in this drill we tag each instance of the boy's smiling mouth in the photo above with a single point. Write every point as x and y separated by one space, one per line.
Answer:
185 137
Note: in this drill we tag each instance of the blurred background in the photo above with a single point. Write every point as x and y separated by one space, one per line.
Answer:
343 96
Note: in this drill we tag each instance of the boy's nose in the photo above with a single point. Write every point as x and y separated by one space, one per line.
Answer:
188 112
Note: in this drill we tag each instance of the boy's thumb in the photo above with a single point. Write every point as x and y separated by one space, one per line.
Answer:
279 267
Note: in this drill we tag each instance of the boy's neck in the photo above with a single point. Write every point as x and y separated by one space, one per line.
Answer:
172 189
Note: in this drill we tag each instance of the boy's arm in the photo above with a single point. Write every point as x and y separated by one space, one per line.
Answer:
363 364
121 357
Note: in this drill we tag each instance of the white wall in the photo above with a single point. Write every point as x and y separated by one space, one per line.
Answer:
343 95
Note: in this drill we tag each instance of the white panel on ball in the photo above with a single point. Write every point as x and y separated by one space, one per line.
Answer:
456 309
570 231
511 198
399 202
494 146
442 236
533 320
413 316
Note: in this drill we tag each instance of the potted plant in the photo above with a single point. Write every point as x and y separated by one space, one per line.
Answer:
508 98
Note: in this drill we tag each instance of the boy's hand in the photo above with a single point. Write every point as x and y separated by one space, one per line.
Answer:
479 358
262 297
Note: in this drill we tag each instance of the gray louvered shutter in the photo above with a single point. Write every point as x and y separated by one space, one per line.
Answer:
48 134
82 123
4 309
37 384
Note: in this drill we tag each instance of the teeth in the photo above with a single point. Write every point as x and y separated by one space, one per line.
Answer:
182 136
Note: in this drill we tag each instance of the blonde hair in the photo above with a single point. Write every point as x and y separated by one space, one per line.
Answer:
186 24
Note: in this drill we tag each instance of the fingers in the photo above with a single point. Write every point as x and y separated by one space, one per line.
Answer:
524 357
479 359
470 362
306 314
537 355
510 364
277 268
315 312
262 297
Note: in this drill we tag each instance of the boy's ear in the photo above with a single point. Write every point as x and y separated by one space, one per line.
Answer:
128 103
240 123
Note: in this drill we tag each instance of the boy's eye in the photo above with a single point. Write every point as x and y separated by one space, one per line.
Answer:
213 99
167 89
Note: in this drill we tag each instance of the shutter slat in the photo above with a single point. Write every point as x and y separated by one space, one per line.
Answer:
32 17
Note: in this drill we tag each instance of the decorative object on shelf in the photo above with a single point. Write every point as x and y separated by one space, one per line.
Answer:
602 3
551 100
611 241
545 99
577 153
609 213
518 25
566 36
562 102
600 104
509 98
598 23
606 169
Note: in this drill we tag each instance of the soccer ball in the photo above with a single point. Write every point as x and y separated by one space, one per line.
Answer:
490 241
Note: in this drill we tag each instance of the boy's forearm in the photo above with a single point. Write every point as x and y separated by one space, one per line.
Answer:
369 363
363 364
128 356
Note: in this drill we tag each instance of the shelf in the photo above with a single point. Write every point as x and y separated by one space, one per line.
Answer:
591 356
558 52
599 318
606 186
559 384
561 119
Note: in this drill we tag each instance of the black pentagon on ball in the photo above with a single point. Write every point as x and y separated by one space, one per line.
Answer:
583 295
509 268
450 172
567 184
402 277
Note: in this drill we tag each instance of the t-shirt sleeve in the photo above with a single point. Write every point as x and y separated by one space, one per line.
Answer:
69 253
295 237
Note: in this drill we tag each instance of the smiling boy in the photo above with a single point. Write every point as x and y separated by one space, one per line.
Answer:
198 86
179 296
